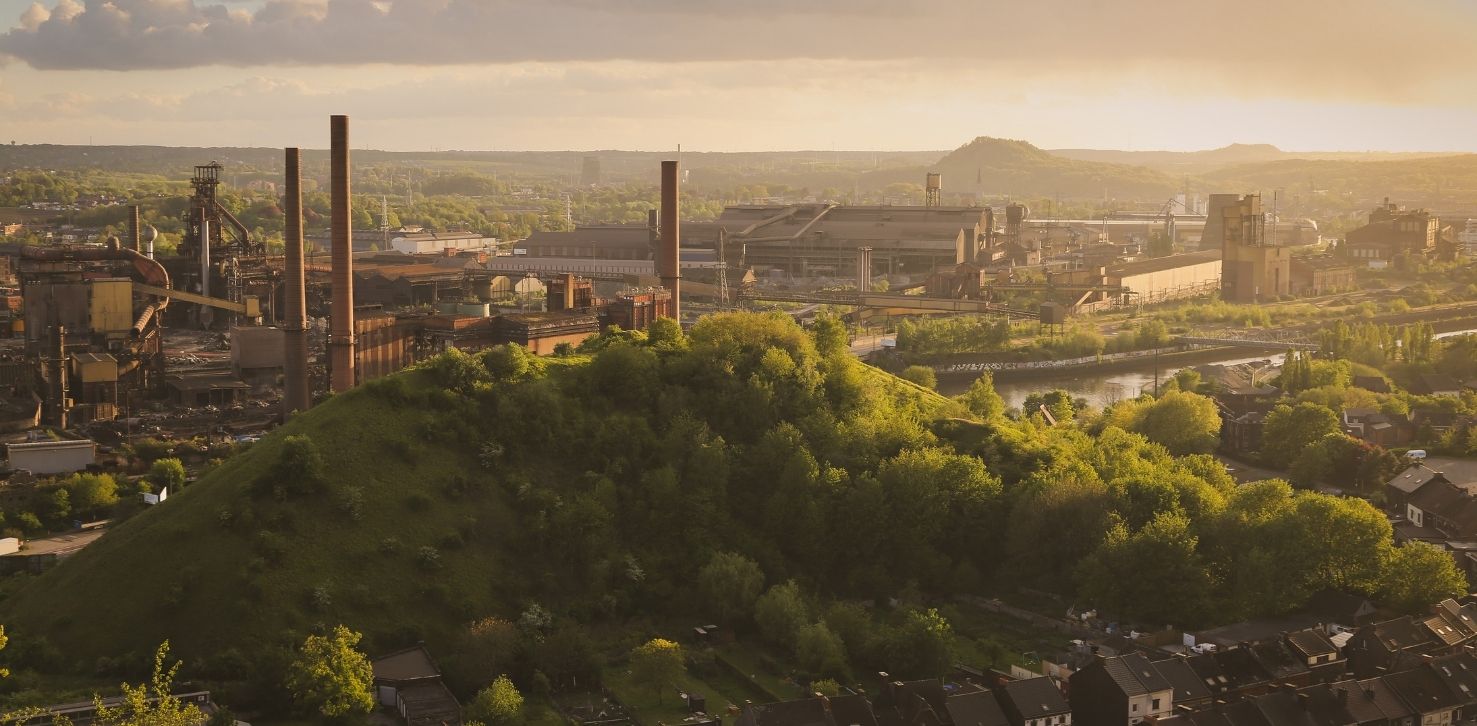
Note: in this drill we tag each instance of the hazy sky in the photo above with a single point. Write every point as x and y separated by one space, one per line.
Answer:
742 74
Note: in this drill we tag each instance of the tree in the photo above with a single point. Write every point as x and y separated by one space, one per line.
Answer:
730 583
330 677
1155 573
1418 574
1185 423
819 651
152 703
91 493
167 473
658 662
498 703
921 375
826 687
781 613
923 645
982 400
1290 429
60 506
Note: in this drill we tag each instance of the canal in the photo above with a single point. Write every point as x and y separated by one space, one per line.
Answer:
1101 389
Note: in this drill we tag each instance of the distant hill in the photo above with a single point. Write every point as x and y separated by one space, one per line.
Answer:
1439 180
1200 162
1003 166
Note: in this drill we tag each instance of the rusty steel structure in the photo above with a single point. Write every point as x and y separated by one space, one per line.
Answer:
341 323
669 261
297 394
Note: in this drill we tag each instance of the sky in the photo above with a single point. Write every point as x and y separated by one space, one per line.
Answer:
742 75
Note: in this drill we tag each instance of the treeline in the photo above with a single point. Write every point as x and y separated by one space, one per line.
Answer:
750 436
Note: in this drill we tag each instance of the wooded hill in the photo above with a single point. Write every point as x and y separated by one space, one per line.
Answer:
592 489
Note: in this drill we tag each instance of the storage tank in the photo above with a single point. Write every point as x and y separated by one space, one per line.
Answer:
480 310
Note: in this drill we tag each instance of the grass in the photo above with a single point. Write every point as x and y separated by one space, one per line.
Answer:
652 706
994 640
206 587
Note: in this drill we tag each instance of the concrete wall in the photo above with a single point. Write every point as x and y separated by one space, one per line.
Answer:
257 347
1177 282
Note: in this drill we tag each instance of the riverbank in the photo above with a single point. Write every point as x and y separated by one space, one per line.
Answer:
968 368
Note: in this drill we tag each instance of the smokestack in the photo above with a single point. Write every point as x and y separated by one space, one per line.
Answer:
297 396
341 327
670 257
135 229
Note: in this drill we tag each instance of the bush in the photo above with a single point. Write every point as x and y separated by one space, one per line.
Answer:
921 375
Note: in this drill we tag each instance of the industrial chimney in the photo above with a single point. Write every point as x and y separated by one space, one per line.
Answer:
135 229
670 258
297 396
341 325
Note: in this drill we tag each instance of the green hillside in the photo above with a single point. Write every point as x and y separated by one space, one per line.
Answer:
537 517
438 505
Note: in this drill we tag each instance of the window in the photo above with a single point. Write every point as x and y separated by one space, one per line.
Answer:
1135 708
1155 705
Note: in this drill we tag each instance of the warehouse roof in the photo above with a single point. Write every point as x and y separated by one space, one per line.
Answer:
1159 264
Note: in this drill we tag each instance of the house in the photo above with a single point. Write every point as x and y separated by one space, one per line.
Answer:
978 708
1425 694
912 703
410 682
1375 384
1382 647
1281 663
1189 690
1444 507
1282 707
1406 483
1122 690
1033 702
1371 701
1377 427
1436 384
1317 652
1458 672
1435 422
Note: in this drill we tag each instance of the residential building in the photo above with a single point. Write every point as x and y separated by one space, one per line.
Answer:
977 708
1034 702
1406 483
1317 653
1425 694
1384 647
1120 691
1190 691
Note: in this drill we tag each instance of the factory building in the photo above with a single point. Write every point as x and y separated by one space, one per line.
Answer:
1175 277
637 309
1392 231
435 243
807 240
1253 267
602 242
1321 275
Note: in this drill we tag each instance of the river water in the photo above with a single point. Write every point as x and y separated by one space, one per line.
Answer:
1104 389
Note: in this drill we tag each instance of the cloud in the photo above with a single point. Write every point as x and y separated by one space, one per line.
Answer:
1322 47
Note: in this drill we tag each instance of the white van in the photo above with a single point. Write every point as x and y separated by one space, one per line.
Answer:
1416 454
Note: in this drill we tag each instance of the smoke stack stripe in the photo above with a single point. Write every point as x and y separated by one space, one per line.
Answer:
297 396
670 257
341 329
